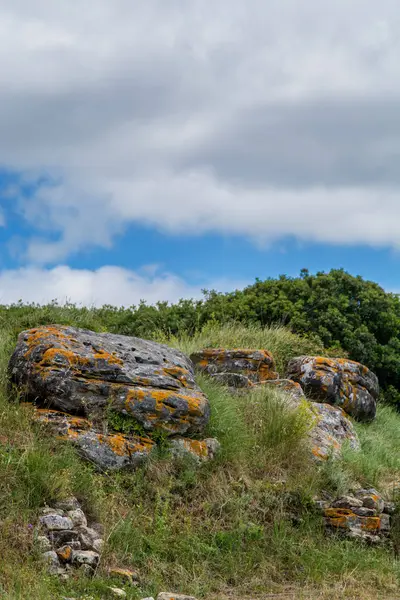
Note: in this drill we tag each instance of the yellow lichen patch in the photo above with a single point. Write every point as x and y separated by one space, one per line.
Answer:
112 359
199 448
338 512
124 446
341 522
161 397
178 373
370 523
319 453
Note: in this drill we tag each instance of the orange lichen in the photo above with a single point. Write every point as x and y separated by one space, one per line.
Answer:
199 448
65 553
370 523
161 397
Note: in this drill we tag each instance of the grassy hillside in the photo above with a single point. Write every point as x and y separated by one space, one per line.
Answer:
241 527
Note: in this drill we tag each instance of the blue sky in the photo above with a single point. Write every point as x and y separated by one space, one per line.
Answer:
151 150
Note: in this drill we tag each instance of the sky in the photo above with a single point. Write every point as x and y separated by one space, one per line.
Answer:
149 150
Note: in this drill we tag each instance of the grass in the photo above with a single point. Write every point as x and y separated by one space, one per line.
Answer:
240 527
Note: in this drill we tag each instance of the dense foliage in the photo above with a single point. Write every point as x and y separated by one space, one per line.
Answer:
335 310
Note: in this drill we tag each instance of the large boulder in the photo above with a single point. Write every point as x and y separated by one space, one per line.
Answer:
256 365
85 373
337 381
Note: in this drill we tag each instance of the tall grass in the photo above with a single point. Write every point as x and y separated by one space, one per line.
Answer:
277 339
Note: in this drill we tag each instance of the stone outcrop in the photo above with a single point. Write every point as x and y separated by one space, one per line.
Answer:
81 372
65 540
340 382
256 365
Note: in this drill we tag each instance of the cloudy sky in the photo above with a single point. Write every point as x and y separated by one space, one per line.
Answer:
150 149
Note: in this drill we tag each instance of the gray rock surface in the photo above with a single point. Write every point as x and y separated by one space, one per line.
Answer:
341 382
82 372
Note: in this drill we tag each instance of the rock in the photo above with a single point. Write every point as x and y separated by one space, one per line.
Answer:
68 504
117 592
87 537
390 508
78 517
60 538
52 561
330 430
202 451
364 512
82 372
108 452
292 388
43 544
53 522
125 575
65 553
52 511
85 557
148 598
256 365
341 382
347 502
172 596
371 499
87 570
232 380
98 545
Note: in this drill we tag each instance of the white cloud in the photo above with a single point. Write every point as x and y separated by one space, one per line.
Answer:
256 118
107 285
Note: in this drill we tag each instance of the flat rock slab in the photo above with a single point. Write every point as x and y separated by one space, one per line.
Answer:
257 365
337 381
82 372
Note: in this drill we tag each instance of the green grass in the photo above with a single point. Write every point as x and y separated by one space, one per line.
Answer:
241 526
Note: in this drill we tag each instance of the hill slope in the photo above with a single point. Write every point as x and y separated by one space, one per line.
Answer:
240 527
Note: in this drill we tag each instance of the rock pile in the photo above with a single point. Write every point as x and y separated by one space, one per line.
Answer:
66 541
361 515
317 383
77 378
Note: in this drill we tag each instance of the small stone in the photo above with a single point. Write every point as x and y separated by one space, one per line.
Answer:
172 596
52 511
390 508
87 537
87 570
117 592
68 504
60 538
43 543
385 523
371 499
99 528
321 505
363 511
98 545
64 553
55 522
125 575
348 502
52 561
148 598
85 557
78 517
